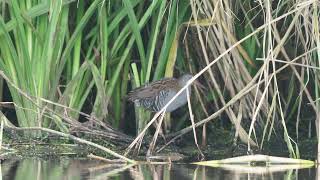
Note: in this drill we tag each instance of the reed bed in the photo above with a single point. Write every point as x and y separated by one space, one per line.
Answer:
67 66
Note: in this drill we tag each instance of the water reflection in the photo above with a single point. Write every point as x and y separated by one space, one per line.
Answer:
74 169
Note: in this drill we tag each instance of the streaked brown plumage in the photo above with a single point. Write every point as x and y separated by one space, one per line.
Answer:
157 94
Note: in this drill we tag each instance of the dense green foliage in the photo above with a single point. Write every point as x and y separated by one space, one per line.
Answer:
63 57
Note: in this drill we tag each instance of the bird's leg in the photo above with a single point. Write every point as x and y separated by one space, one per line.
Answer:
155 136
161 132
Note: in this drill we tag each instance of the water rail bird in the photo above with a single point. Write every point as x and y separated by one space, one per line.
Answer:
156 95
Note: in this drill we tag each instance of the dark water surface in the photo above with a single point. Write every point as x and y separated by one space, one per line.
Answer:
39 169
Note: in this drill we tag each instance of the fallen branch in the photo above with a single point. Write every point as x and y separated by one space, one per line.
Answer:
79 140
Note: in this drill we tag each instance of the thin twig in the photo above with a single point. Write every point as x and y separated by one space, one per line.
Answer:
204 70
31 98
1 132
192 122
155 137
241 94
76 139
291 63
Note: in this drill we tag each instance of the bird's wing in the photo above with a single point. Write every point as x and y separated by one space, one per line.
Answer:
153 89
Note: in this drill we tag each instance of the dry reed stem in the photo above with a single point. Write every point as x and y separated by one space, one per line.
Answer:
33 99
233 100
243 92
155 136
1 132
231 114
79 140
110 133
292 63
192 122
204 128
